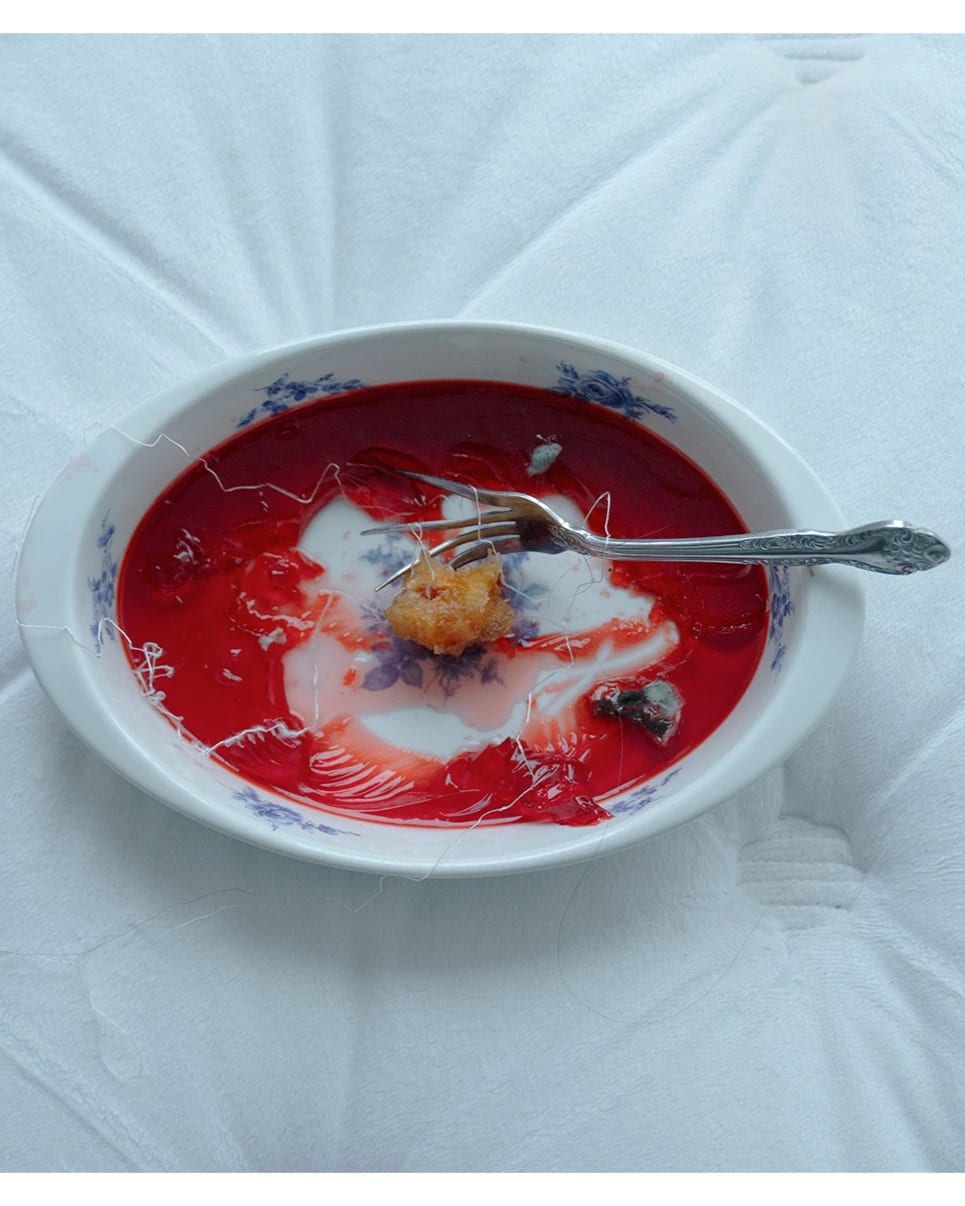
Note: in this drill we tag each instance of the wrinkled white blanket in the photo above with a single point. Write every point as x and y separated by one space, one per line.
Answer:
776 986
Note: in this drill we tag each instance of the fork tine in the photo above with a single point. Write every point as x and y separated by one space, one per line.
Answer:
476 552
436 525
396 576
490 497
481 532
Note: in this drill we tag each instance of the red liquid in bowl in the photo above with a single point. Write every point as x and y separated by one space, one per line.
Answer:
213 581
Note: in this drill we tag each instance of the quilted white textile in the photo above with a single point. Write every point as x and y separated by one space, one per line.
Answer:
778 985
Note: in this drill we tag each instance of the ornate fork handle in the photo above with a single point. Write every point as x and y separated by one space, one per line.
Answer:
894 547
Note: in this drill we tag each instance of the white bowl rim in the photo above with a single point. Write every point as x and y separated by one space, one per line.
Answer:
835 610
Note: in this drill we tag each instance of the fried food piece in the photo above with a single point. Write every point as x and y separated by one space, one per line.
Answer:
449 610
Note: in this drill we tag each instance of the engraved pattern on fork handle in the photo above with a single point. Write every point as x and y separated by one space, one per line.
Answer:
886 548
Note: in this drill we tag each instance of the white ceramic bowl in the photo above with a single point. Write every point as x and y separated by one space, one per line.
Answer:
69 564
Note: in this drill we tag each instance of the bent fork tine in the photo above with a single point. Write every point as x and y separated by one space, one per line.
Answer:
482 533
476 552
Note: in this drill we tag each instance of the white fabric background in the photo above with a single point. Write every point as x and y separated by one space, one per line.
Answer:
776 986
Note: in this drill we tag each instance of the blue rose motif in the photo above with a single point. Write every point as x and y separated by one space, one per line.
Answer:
399 660
604 389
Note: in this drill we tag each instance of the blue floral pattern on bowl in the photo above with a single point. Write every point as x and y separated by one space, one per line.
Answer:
604 389
641 796
404 661
390 555
283 392
280 815
103 588
781 609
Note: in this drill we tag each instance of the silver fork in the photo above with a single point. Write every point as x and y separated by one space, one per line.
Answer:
520 523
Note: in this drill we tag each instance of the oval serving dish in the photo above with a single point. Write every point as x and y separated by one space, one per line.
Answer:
69 566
